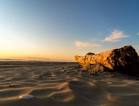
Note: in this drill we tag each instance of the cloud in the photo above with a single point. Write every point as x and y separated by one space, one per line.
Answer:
115 36
80 44
138 33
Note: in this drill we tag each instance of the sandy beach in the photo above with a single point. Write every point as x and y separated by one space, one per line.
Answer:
63 84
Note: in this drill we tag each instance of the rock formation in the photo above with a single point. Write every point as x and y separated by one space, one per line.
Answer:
124 60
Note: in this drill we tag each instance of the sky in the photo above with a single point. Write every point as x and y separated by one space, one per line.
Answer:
60 29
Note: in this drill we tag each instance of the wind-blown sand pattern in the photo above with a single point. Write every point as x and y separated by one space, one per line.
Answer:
63 84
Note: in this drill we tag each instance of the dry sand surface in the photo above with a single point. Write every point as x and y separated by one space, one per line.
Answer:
63 84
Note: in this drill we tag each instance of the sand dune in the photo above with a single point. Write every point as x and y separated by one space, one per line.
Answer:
62 84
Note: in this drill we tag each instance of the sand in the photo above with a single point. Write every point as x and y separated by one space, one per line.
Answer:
63 84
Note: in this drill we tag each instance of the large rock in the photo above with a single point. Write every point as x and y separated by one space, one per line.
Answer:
124 60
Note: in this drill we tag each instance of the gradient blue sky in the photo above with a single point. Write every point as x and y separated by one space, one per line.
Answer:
60 29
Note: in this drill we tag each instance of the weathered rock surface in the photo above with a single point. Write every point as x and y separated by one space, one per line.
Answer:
124 60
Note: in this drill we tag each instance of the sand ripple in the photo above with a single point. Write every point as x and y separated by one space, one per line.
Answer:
63 84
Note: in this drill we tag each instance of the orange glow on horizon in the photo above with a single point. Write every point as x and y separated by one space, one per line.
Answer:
35 56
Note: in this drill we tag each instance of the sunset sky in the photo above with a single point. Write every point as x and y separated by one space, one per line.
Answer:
60 29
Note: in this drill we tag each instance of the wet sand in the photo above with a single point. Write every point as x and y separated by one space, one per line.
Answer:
63 84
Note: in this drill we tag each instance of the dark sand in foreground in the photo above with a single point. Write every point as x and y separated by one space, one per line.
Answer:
62 84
